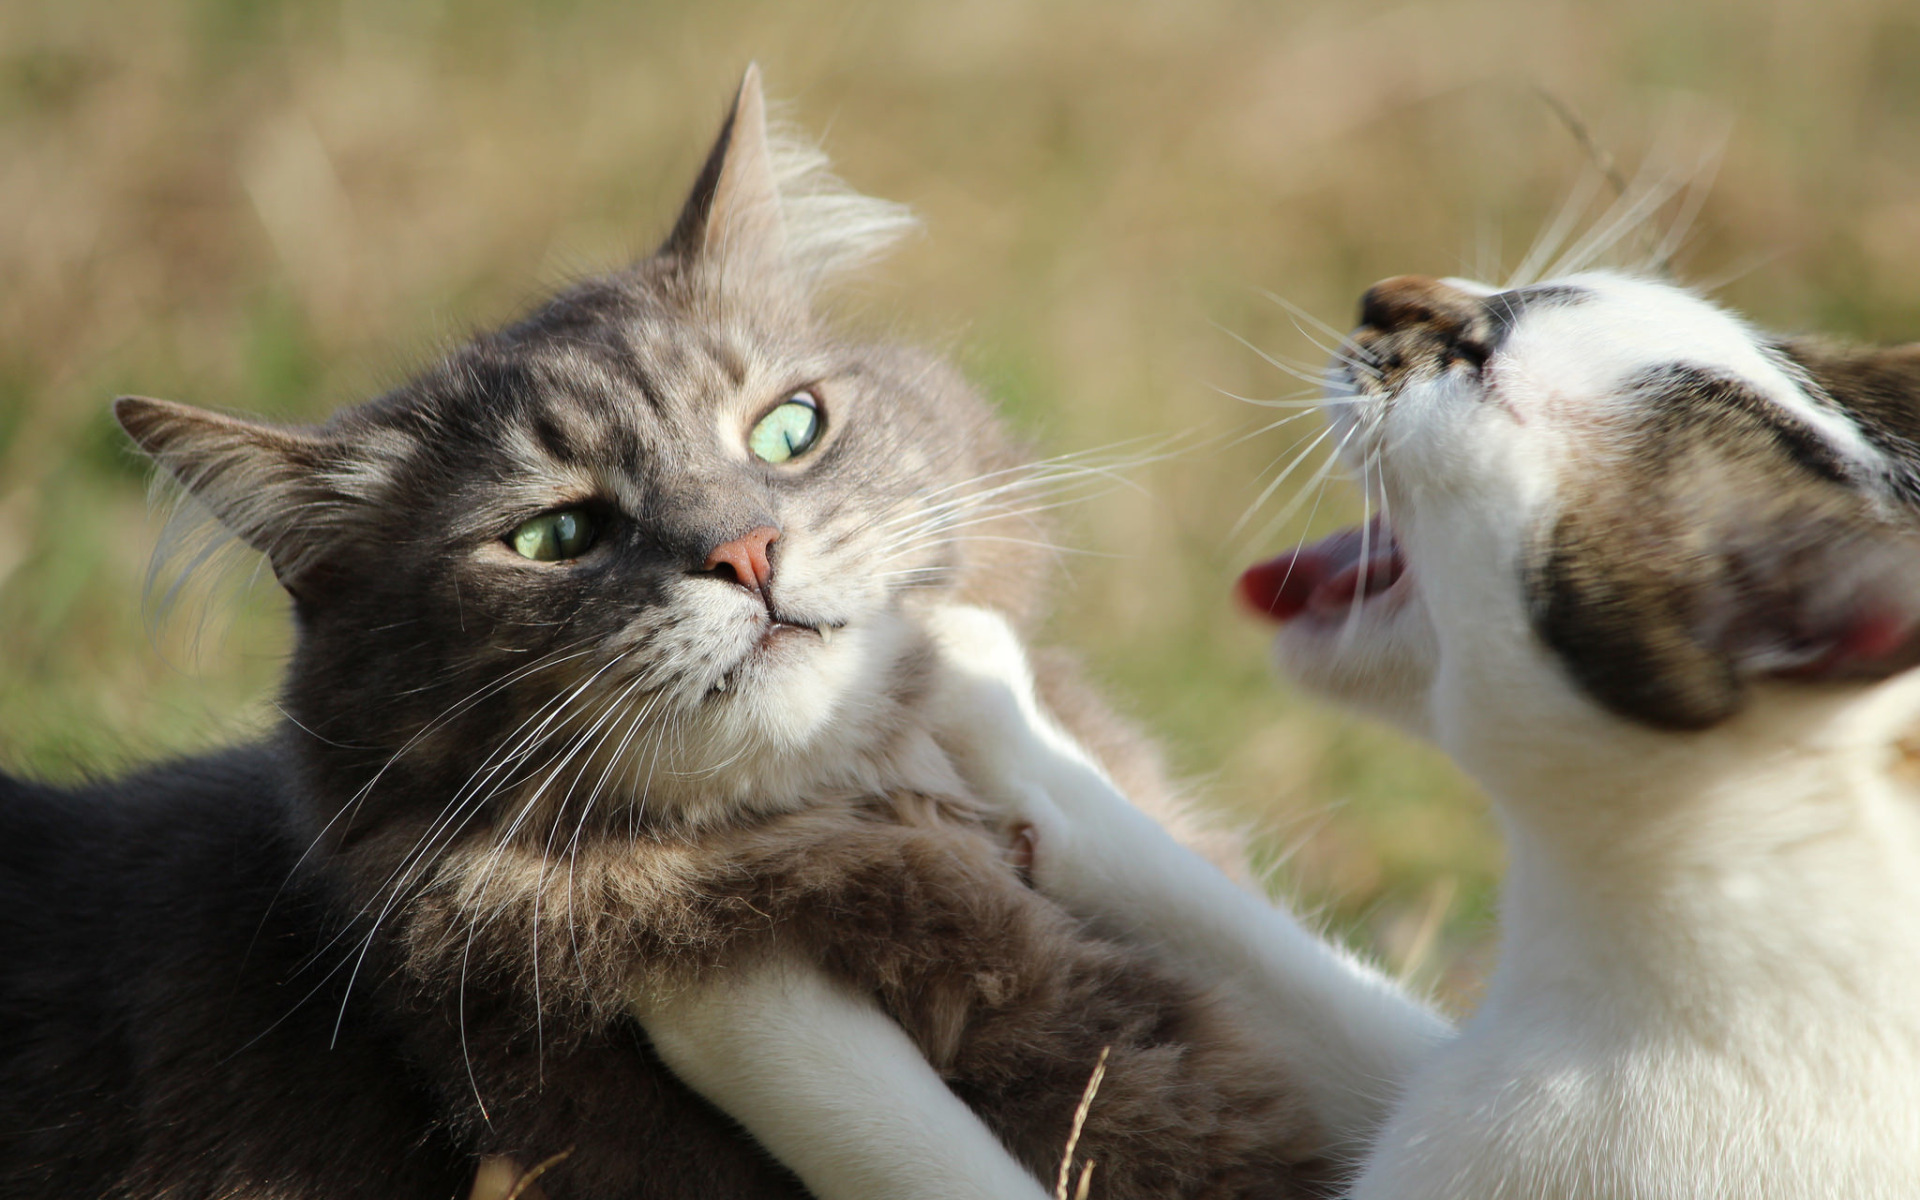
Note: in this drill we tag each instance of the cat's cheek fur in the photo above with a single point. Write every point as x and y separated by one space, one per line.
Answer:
1380 660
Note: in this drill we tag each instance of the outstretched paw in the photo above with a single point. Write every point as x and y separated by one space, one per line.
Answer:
982 644
988 720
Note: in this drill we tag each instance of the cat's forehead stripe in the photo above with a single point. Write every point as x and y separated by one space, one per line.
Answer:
1628 327
1681 395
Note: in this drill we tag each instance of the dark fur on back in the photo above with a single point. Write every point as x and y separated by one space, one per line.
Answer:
513 794
168 1027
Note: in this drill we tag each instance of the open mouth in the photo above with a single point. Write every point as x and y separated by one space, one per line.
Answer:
1329 577
780 630
788 626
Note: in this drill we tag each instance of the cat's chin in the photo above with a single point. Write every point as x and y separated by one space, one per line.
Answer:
1353 624
798 714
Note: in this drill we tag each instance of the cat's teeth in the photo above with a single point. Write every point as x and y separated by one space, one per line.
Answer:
722 685
826 635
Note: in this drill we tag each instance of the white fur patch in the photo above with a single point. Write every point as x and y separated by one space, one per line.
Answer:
830 1086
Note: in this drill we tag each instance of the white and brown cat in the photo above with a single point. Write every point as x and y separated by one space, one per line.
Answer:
1653 577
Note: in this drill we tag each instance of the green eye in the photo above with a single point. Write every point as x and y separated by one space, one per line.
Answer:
788 430
554 536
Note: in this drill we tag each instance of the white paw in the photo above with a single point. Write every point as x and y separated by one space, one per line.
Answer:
982 701
987 719
978 642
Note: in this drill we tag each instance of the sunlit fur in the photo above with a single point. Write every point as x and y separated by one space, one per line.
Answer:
520 812
1642 538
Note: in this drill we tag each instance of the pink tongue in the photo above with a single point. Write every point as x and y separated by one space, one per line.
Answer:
1325 576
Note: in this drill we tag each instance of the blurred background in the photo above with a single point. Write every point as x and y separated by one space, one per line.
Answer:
280 206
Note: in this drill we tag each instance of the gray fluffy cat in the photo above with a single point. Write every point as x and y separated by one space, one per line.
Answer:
607 701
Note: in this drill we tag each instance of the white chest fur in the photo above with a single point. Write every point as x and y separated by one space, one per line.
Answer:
1710 976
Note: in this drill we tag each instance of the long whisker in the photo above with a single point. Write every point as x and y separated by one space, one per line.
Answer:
1317 489
1352 623
1317 410
1547 245
1650 190
1314 487
1303 373
1307 399
1302 314
551 659
321 951
453 817
1273 486
1700 183
608 710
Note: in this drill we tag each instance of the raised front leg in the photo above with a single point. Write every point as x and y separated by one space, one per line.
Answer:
830 1085
1349 1035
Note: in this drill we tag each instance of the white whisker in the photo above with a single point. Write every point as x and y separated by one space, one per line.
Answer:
1267 492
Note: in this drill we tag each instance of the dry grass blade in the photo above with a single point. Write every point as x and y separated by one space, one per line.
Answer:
1602 158
1073 1135
500 1178
522 1185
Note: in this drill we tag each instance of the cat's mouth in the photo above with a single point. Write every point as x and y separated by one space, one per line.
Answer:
781 627
1328 579
780 631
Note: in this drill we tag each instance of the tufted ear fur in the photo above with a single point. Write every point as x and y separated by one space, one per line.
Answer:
766 211
734 211
276 489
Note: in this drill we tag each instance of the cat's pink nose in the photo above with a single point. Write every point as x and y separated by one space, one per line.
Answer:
745 558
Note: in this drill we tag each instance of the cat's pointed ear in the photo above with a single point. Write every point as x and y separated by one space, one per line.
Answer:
267 484
766 210
734 213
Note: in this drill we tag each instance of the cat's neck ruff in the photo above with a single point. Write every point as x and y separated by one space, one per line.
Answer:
1762 871
1706 976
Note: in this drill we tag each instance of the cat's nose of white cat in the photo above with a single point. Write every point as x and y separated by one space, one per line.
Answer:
1408 300
745 558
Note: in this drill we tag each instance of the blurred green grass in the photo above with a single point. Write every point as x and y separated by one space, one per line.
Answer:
279 206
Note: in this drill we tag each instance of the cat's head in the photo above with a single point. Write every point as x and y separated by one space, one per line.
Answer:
1603 499
658 543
